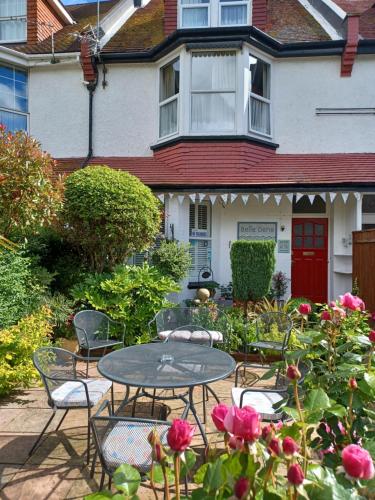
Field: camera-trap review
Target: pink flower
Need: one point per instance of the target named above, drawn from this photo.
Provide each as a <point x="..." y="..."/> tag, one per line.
<point x="352" y="384"/>
<point x="290" y="447"/>
<point x="304" y="309"/>
<point x="338" y="313"/>
<point x="180" y="434"/>
<point x="293" y="373"/>
<point x="341" y="428"/>
<point x="325" y="316"/>
<point x="236" y="443"/>
<point x="371" y="336"/>
<point x="332" y="304"/>
<point x="295" y="475"/>
<point x="241" y="488"/>
<point x="357" y="462"/>
<point x="243" y="422"/>
<point x="352" y="302"/>
<point x="267" y="431"/>
<point x="274" y="446"/>
<point x="218" y="415"/>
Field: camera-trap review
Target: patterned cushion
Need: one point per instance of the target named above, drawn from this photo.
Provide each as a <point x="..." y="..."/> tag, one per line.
<point x="127" y="444"/>
<point x="262" y="401"/>
<point x="197" y="336"/>
<point x="74" y="394"/>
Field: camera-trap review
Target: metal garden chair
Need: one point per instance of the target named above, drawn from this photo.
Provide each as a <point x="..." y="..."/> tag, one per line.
<point x="272" y="334"/>
<point x="120" y="439"/>
<point x="264" y="399"/>
<point x="66" y="388"/>
<point x="93" y="332"/>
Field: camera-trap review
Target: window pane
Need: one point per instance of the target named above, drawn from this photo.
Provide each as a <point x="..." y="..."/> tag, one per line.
<point x="309" y="228"/>
<point x="170" y="80"/>
<point x="195" y="17"/>
<point x="11" y="8"/>
<point x="233" y="14"/>
<point x="308" y="242"/>
<point x="319" y="242"/>
<point x="214" y="71"/>
<point x="200" y="251"/>
<point x="298" y="229"/>
<point x="260" y="78"/>
<point x="168" y="118"/>
<point x="212" y="112"/>
<point x="14" y="30"/>
<point x="13" y="121"/>
<point x="7" y="72"/>
<point x="260" y="116"/>
<point x="319" y="229"/>
<point x="298" y="241"/>
<point x="13" y="93"/>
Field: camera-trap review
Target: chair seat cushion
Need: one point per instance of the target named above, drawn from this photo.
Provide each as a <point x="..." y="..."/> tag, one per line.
<point x="197" y="336"/>
<point x="127" y="443"/>
<point x="262" y="401"/>
<point x="73" y="393"/>
<point x="275" y="346"/>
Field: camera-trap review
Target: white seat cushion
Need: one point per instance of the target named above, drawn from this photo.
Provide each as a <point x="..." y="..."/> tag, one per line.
<point x="127" y="443"/>
<point x="74" y="394"/>
<point x="197" y="336"/>
<point x="262" y="401"/>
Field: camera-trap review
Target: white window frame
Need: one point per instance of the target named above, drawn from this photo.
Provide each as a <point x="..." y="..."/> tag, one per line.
<point x="205" y="5"/>
<point x="239" y="2"/>
<point x="209" y="226"/>
<point x="15" y="111"/>
<point x="175" y="97"/>
<point x="191" y="92"/>
<point x="16" y="18"/>
<point x="257" y="97"/>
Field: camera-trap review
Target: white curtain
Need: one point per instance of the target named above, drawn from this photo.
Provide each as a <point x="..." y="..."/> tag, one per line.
<point x="212" y="112"/>
<point x="12" y="29"/>
<point x="168" y="118"/>
<point x="194" y="17"/>
<point x="232" y="15"/>
<point x="260" y="116"/>
<point x="12" y="8"/>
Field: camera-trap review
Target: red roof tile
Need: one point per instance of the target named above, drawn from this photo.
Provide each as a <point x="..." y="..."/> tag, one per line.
<point x="354" y="6"/>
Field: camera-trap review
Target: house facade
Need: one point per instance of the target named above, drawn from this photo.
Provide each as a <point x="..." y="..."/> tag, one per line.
<point x="249" y="119"/>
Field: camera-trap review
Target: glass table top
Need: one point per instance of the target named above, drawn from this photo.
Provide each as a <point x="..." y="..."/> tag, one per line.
<point x="166" y="365"/>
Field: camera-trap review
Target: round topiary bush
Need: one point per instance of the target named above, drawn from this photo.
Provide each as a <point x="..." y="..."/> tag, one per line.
<point x="109" y="215"/>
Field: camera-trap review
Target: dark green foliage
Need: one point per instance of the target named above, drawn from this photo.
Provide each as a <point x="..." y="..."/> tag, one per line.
<point x="172" y="259"/>
<point x="109" y="215"/>
<point x="253" y="264"/>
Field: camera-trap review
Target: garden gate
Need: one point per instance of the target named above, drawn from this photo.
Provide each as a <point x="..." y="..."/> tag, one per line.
<point x="364" y="265"/>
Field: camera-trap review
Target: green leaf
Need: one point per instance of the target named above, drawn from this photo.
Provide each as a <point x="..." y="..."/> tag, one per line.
<point x="127" y="479"/>
<point x="369" y="445"/>
<point x="102" y="495"/>
<point x="158" y="474"/>
<point x="325" y="486"/>
<point x="370" y="380"/>
<point x="201" y="472"/>
<point x="337" y="410"/>
<point x="317" y="399"/>
<point x="292" y="412"/>
<point x="214" y="479"/>
<point x="188" y="463"/>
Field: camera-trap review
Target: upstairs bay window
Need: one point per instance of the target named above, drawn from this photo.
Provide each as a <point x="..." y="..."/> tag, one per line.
<point x="168" y="98"/>
<point x="13" y="98"/>
<point x="259" y="97"/>
<point x="210" y="13"/>
<point x="12" y="21"/>
<point x="213" y="92"/>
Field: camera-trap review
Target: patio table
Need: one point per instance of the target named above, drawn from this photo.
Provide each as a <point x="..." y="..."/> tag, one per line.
<point x="171" y="365"/>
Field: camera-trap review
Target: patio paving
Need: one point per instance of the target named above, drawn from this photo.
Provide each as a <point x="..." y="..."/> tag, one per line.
<point x="57" y="469"/>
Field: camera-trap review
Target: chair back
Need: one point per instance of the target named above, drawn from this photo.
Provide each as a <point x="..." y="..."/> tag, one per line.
<point x="90" y="325"/>
<point x="274" y="326"/>
<point x="122" y="439"/>
<point x="191" y="333"/>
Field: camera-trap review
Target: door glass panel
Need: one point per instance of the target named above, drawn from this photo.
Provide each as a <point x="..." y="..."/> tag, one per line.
<point x="319" y="229"/>
<point x="319" y="242"/>
<point x="309" y="227"/>
<point x="298" y="230"/>
<point x="298" y="241"/>
<point x="308" y="243"/>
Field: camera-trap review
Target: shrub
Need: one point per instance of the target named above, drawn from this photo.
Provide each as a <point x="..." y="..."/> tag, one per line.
<point x="172" y="259"/>
<point x="279" y="285"/>
<point x="252" y="264"/>
<point x="28" y="197"/>
<point x="109" y="214"/>
<point x="131" y="294"/>
<point x="17" y="345"/>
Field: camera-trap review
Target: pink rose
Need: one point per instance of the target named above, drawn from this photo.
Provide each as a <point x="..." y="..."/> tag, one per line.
<point x="243" y="422"/>
<point x="338" y="314"/>
<point x="274" y="446"/>
<point x="332" y="304"/>
<point x="290" y="447"/>
<point x="293" y="373"/>
<point x="236" y="443"/>
<point x="371" y="336"/>
<point x="267" y="431"/>
<point x="304" y="309"/>
<point x="357" y="462"/>
<point x="241" y="488"/>
<point x="218" y="415"/>
<point x="295" y="475"/>
<point x="325" y="316"/>
<point x="180" y="434"/>
<point x="352" y="384"/>
<point x="352" y="302"/>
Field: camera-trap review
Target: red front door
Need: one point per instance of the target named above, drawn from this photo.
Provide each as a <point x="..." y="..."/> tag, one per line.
<point x="310" y="259"/>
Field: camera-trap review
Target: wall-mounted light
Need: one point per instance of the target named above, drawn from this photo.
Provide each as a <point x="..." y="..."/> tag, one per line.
<point x="282" y="228"/>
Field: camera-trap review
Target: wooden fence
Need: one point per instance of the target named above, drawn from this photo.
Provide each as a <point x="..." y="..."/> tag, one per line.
<point x="364" y="265"/>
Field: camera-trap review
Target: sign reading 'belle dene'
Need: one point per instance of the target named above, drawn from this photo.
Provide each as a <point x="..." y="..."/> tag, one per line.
<point x="257" y="230"/>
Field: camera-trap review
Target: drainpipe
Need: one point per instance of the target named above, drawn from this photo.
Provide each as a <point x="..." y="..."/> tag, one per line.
<point x="91" y="89"/>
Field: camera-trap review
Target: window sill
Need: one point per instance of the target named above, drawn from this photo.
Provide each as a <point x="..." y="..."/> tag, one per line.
<point x="12" y="41"/>
<point x="263" y="141"/>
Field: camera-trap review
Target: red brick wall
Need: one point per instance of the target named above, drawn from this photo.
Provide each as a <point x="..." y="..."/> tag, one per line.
<point x="259" y="18"/>
<point x="39" y="11"/>
<point x="170" y="16"/>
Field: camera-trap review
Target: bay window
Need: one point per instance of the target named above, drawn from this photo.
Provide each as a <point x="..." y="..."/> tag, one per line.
<point x="13" y="98"/>
<point x="168" y="98"/>
<point x="213" y="92"/>
<point x="199" y="237"/>
<point x="212" y="13"/>
<point x="13" y="21"/>
<point x="259" y="96"/>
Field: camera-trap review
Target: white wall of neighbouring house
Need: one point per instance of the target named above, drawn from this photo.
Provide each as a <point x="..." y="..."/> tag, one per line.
<point x="301" y="85"/>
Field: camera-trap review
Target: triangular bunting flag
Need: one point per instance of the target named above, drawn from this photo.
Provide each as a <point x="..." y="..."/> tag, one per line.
<point x="171" y="195"/>
<point x="332" y="197"/>
<point x="298" y="197"/>
<point x="290" y="197"/>
<point x="256" y="196"/>
<point x="358" y="196"/>
<point x="233" y="197"/>
<point x="323" y="196"/>
<point x="265" y="197"/>
<point x="311" y="198"/>
<point x="224" y="197"/>
<point x="180" y="198"/>
<point x="213" y="198"/>
<point x="345" y="197"/>
<point x="201" y="196"/>
<point x="278" y="198"/>
<point x="161" y="197"/>
<point x="245" y="198"/>
<point x="192" y="197"/>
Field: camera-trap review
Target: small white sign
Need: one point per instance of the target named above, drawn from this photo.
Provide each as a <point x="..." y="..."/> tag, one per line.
<point x="257" y="231"/>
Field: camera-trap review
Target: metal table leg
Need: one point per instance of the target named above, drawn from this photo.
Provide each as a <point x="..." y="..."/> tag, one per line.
<point x="195" y="415"/>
